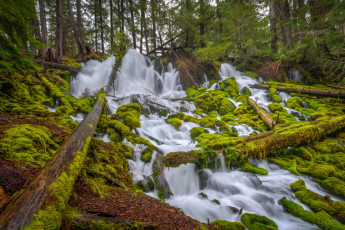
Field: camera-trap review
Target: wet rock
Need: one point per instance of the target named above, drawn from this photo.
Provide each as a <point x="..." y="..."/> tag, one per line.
<point x="216" y="201"/>
<point x="203" y="196"/>
<point x="158" y="66"/>
<point x="234" y="209"/>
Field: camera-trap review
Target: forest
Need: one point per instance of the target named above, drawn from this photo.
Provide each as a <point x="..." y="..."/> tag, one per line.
<point x="162" y="114"/>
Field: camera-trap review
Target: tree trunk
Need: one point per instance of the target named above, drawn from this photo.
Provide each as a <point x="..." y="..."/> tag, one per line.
<point x="101" y="22"/>
<point x="122" y="16"/>
<point x="262" y="113"/>
<point x="36" y="33"/>
<point x="76" y="31"/>
<point x="286" y="20"/>
<point x="273" y="25"/>
<point x="59" y="29"/>
<point x="96" y="27"/>
<point x="51" y="188"/>
<point x="44" y="33"/>
<point x="153" y="15"/>
<point x="202" y="24"/>
<point x="219" y="16"/>
<point x="55" y="65"/>
<point x="308" y="91"/>
<point x="141" y="25"/>
<point x="269" y="143"/>
<point x="111" y="25"/>
<point x="80" y="21"/>
<point x="131" y="8"/>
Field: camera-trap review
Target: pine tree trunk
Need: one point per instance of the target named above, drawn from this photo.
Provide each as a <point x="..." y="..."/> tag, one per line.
<point x="122" y="16"/>
<point x="101" y="22"/>
<point x="80" y="21"/>
<point x="202" y="24"/>
<point x="273" y="25"/>
<point x="76" y="31"/>
<point x="96" y="27"/>
<point x="131" y="8"/>
<point x="286" y="19"/>
<point x="36" y="33"/>
<point x="111" y="25"/>
<point x="59" y="29"/>
<point x="153" y="13"/>
<point x="44" y="36"/>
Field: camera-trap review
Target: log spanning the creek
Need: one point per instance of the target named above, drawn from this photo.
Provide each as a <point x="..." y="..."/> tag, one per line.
<point x="308" y="91"/>
<point x="269" y="143"/>
<point x="48" y="193"/>
<point x="54" y="65"/>
<point x="262" y="113"/>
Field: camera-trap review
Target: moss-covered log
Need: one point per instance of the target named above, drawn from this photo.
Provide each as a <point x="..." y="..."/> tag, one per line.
<point x="54" y="65"/>
<point x="43" y="201"/>
<point x="262" y="113"/>
<point x="307" y="90"/>
<point x="269" y="143"/>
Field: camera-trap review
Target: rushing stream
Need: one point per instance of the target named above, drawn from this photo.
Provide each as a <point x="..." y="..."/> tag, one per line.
<point x="153" y="86"/>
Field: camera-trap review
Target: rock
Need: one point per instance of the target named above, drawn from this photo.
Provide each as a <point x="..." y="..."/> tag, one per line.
<point x="10" y="179"/>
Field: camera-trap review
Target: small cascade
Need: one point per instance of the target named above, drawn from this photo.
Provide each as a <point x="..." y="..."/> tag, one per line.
<point x="93" y="77"/>
<point x="295" y="74"/>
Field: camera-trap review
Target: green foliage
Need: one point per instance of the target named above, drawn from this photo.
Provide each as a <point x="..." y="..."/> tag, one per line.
<point x="256" y="222"/>
<point x="176" y="122"/>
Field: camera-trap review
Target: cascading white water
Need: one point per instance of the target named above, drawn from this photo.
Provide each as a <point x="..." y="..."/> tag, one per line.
<point x="145" y="81"/>
<point x="93" y="77"/>
<point x="295" y="74"/>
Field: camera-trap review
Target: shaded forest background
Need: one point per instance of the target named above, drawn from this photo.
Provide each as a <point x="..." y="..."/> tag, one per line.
<point x="265" y="36"/>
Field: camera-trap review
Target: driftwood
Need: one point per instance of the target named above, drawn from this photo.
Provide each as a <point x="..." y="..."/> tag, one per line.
<point x="57" y="176"/>
<point x="54" y="65"/>
<point x="270" y="143"/>
<point x="262" y="113"/>
<point x="308" y="91"/>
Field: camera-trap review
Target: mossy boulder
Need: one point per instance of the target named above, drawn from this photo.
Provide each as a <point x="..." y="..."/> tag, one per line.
<point x="227" y="225"/>
<point x="176" y="122"/>
<point x="334" y="186"/>
<point x="146" y="154"/>
<point x="208" y="121"/>
<point x="188" y="118"/>
<point x="30" y="144"/>
<point x="276" y="107"/>
<point x="197" y="131"/>
<point x="226" y="107"/>
<point x="231" y="87"/>
<point x="247" y="167"/>
<point x="256" y="222"/>
<point x="274" y="96"/>
<point x="294" y="102"/>
<point x="129" y="114"/>
<point x="241" y="109"/>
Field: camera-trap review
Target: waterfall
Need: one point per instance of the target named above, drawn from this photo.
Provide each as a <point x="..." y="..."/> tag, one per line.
<point x="203" y="194"/>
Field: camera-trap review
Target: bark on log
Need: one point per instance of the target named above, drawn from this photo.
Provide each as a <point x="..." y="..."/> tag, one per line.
<point x="54" y="65"/>
<point x="54" y="183"/>
<point x="336" y="87"/>
<point x="308" y="91"/>
<point x="262" y="113"/>
<point x="269" y="143"/>
<point x="160" y="180"/>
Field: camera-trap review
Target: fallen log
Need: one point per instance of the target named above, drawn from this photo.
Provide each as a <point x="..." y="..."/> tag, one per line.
<point x="159" y="177"/>
<point x="54" y="65"/>
<point x="336" y="87"/>
<point x="268" y="143"/>
<point x="262" y="113"/>
<point x="48" y="194"/>
<point x="308" y="91"/>
<point x="165" y="43"/>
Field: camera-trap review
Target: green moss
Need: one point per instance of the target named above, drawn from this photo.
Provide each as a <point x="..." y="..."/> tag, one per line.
<point x="276" y="107"/>
<point x="198" y="112"/>
<point x="208" y="121"/>
<point x="334" y="186"/>
<point x="323" y="220"/>
<point x="231" y="87"/>
<point x="225" y="107"/>
<point x="274" y="96"/>
<point x="247" y="167"/>
<point x="294" y="102"/>
<point x="188" y="118"/>
<point x="176" y="122"/>
<point x="227" y="225"/>
<point x="83" y="105"/>
<point x="197" y="131"/>
<point x="129" y="114"/>
<point x="256" y="222"/>
<point x="30" y="144"/>
<point x="241" y="109"/>
<point x="146" y="155"/>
